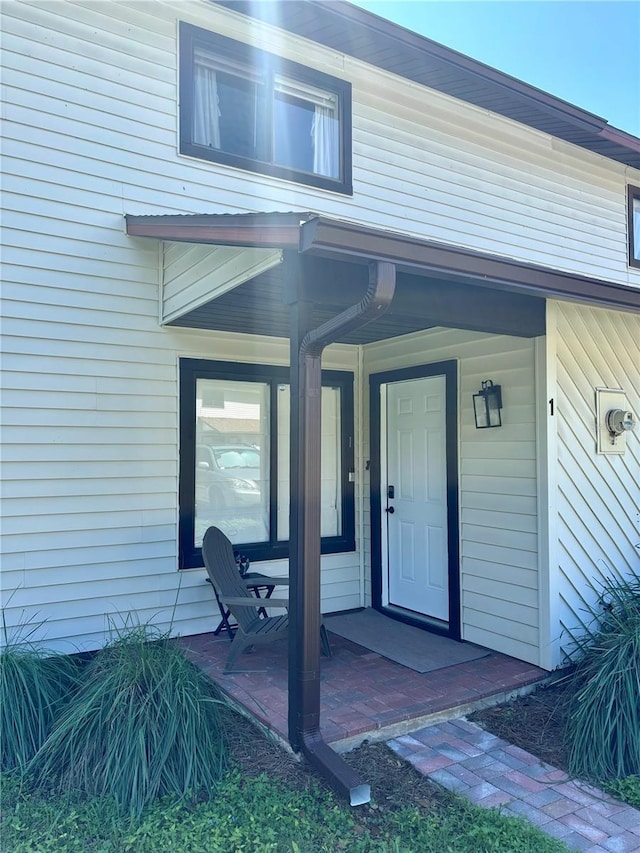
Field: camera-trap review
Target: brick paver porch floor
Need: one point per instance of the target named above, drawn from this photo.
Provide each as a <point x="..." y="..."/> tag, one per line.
<point x="363" y="695"/>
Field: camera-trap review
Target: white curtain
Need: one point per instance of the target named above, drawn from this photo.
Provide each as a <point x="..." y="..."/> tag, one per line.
<point x="636" y="230"/>
<point x="206" y="108"/>
<point x="324" y="132"/>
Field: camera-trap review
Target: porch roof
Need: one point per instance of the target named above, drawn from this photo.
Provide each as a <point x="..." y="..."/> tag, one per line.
<point x="437" y="284"/>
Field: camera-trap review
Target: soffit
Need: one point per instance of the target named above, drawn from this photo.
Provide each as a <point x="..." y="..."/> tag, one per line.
<point x="259" y="307"/>
<point x="316" y="237"/>
<point x="365" y="36"/>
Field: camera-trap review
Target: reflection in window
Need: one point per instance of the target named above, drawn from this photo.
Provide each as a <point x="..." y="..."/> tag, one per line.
<point x="306" y="128"/>
<point x="251" y="109"/>
<point x="232" y="459"/>
<point x="331" y="475"/>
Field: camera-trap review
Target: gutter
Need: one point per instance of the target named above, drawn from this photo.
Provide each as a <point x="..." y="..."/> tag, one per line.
<point x="304" y="637"/>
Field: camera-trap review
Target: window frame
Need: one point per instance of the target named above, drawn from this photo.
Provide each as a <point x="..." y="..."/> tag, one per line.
<point x="271" y="66"/>
<point x="190" y="371"/>
<point x="633" y="194"/>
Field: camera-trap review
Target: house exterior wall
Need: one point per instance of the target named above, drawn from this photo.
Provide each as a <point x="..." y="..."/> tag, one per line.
<point x="91" y="400"/>
<point x="467" y="177"/>
<point x="90" y="466"/>
<point x="497" y="482"/>
<point x="594" y="499"/>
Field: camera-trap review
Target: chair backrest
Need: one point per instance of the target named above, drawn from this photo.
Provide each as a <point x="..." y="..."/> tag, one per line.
<point x="220" y="562"/>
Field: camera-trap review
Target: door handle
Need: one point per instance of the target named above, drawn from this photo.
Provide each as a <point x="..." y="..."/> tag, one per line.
<point x="390" y="510"/>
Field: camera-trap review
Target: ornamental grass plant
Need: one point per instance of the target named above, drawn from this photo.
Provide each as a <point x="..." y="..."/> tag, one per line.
<point x="144" y="724"/>
<point x="33" y="688"/>
<point x="603" y="727"/>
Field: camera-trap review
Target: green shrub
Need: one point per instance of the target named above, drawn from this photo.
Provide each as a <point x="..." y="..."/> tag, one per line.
<point x="143" y="725"/>
<point x="627" y="790"/>
<point x="604" y="720"/>
<point x="33" y="688"/>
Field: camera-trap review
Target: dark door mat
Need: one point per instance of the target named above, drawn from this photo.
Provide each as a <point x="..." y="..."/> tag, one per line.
<point x="412" y="647"/>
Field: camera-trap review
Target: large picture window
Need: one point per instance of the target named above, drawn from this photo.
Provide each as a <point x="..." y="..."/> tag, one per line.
<point x="244" y="107"/>
<point x="234" y="458"/>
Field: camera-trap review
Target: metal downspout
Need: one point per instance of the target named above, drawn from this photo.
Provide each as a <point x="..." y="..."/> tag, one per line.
<point x="304" y="643"/>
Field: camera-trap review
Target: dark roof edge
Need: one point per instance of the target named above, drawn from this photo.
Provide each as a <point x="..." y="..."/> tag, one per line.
<point x="262" y="230"/>
<point x="347" y="240"/>
<point x="370" y="20"/>
<point x="318" y="235"/>
<point x="620" y="137"/>
<point x="588" y="131"/>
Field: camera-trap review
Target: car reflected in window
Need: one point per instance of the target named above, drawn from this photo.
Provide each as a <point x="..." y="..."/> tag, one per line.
<point x="227" y="476"/>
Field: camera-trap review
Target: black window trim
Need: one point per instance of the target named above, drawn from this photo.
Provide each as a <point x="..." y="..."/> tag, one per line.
<point x="633" y="194"/>
<point x="193" y="369"/>
<point x="192" y="37"/>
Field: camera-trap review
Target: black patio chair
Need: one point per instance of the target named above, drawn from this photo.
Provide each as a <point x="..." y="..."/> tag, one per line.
<point x="254" y="627"/>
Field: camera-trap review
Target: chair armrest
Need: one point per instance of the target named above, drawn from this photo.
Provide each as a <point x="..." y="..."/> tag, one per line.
<point x="265" y="580"/>
<point x="256" y="602"/>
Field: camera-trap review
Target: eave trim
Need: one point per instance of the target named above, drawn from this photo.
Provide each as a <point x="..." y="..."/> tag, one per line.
<point x="316" y="235"/>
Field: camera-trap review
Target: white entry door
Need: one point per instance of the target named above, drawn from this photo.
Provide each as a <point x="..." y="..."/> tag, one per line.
<point x="414" y="500"/>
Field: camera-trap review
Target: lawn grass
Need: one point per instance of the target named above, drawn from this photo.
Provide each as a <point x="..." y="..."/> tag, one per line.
<point x="260" y="814"/>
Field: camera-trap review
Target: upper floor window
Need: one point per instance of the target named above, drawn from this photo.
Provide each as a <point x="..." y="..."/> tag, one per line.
<point x="244" y="107"/>
<point x="633" y="224"/>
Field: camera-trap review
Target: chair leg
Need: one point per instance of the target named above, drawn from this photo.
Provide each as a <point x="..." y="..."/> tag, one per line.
<point x="238" y="645"/>
<point x="324" y="640"/>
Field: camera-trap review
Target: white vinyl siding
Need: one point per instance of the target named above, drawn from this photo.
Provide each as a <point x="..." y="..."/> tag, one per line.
<point x="598" y="496"/>
<point x="90" y="450"/>
<point x="90" y="414"/>
<point x="468" y="177"/>
<point x="194" y="275"/>
<point x="498" y="486"/>
<point x="90" y="378"/>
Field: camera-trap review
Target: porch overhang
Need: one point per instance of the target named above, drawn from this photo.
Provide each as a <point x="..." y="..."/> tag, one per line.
<point x="338" y="282"/>
<point x="438" y="284"/>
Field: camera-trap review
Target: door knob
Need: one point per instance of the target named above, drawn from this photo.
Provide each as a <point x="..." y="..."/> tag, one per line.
<point x="390" y="510"/>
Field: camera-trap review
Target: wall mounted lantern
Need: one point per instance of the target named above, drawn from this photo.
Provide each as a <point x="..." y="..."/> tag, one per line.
<point x="487" y="404"/>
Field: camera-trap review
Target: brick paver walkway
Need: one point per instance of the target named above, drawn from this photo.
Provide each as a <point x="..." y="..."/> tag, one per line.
<point x="488" y="771"/>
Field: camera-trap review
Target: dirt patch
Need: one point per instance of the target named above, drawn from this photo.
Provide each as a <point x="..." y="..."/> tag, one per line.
<point x="536" y="722"/>
<point x="394" y="782"/>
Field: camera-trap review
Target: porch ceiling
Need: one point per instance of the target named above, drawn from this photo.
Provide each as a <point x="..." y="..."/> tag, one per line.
<point x="437" y="284"/>
<point x="258" y="306"/>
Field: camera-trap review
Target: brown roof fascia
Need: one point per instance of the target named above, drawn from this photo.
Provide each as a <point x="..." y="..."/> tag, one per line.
<point x="339" y="25"/>
<point x="579" y="117"/>
<point x="397" y="39"/>
<point x="342" y="239"/>
<point x="620" y="137"/>
<point x="317" y="235"/>
<point x="272" y="230"/>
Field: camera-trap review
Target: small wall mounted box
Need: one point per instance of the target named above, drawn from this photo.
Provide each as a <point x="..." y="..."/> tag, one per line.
<point x="614" y="420"/>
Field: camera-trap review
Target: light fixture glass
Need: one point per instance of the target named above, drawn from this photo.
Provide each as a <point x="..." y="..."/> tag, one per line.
<point x="487" y="404"/>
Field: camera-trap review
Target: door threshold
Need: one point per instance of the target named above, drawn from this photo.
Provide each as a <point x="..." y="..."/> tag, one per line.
<point x="418" y="620"/>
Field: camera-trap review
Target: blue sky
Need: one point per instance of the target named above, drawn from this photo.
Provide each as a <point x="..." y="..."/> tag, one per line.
<point x="584" y="51"/>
